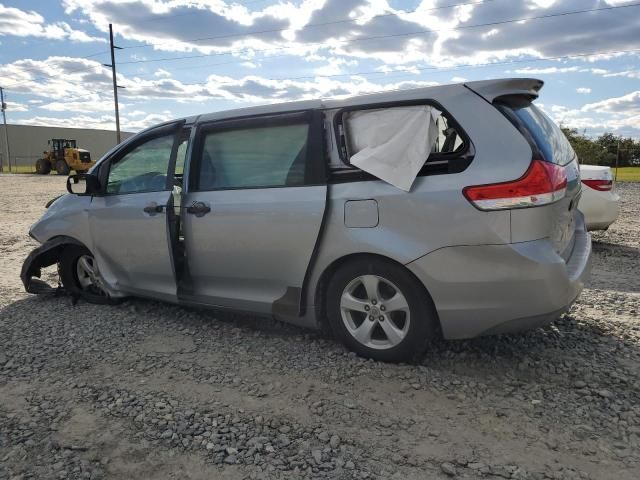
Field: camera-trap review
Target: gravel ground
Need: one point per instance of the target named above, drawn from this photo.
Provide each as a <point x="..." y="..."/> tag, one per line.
<point x="150" y="391"/>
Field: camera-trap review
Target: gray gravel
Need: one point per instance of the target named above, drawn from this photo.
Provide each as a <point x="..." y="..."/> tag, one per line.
<point x="149" y="391"/>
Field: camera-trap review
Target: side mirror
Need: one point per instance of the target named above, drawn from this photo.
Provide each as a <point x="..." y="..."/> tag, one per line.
<point x="83" y="184"/>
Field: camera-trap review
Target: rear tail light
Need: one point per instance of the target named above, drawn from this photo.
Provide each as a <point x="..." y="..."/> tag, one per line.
<point x="600" y="185"/>
<point x="542" y="183"/>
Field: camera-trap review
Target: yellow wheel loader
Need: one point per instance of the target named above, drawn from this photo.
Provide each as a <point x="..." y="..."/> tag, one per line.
<point x="63" y="156"/>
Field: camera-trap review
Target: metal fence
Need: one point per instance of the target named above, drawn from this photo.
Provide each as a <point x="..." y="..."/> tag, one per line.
<point x="18" y="164"/>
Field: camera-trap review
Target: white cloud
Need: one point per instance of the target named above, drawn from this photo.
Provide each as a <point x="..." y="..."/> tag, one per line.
<point x="626" y="104"/>
<point x="56" y="77"/>
<point x="620" y="115"/>
<point x="431" y="34"/>
<point x="334" y="66"/>
<point x="16" y="107"/>
<point x="583" y="90"/>
<point x="21" y="23"/>
<point x="161" y="72"/>
<point x="626" y="73"/>
<point x="545" y="70"/>
<point x="105" y="122"/>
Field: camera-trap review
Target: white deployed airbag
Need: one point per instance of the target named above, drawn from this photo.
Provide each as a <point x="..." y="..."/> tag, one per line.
<point x="392" y="143"/>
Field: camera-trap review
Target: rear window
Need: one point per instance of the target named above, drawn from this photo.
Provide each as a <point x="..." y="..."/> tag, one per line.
<point x="547" y="136"/>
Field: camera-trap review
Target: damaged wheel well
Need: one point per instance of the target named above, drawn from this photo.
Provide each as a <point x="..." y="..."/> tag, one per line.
<point x="44" y="256"/>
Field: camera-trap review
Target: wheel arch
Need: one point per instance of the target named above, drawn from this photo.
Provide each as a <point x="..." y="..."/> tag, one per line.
<point x="44" y="256"/>
<point x="320" y="296"/>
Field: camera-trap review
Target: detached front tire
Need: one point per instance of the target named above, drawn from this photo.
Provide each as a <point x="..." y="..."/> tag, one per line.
<point x="380" y="310"/>
<point x="80" y="275"/>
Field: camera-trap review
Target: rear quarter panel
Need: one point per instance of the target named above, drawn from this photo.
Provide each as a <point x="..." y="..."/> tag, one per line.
<point x="434" y="214"/>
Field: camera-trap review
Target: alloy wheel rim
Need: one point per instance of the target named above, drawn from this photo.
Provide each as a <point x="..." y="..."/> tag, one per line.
<point x="88" y="275"/>
<point x="375" y="312"/>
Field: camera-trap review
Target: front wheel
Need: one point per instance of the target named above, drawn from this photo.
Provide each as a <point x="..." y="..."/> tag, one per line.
<point x="62" y="167"/>
<point x="43" y="166"/>
<point x="80" y="275"/>
<point x="380" y="310"/>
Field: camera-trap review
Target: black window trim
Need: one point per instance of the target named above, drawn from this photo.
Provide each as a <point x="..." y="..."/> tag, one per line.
<point x="455" y="162"/>
<point x="316" y="165"/>
<point x="174" y="128"/>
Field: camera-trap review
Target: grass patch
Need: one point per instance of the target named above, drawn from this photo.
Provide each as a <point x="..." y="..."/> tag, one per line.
<point x="20" y="169"/>
<point x="627" y="174"/>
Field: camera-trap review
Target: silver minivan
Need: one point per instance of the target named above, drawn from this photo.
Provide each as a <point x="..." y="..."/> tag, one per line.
<point x="392" y="218"/>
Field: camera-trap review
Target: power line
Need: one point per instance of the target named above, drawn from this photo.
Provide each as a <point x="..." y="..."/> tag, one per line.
<point x="319" y="24"/>
<point x="407" y="72"/>
<point x="437" y="69"/>
<point x="468" y="65"/>
<point x="194" y="11"/>
<point x="379" y="37"/>
<point x="26" y="70"/>
<point x="494" y="23"/>
<point x="48" y="76"/>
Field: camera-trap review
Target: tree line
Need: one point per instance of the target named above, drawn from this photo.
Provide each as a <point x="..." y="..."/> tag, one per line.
<point x="605" y="149"/>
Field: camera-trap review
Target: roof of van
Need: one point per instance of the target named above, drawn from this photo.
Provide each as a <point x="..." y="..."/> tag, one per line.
<point x="489" y="89"/>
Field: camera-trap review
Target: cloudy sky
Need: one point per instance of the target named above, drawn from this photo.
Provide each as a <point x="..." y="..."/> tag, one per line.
<point x="183" y="57"/>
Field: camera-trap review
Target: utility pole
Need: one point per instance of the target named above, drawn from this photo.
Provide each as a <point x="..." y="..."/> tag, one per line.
<point x="115" y="83"/>
<point x="3" y="107"/>
<point x="615" y="177"/>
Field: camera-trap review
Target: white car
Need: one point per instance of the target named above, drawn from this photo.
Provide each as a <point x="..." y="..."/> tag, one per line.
<point x="599" y="203"/>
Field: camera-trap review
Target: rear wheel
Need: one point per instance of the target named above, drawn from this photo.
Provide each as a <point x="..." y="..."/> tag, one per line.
<point x="43" y="166"/>
<point x="80" y="275"/>
<point x="62" y="168"/>
<point x="380" y="310"/>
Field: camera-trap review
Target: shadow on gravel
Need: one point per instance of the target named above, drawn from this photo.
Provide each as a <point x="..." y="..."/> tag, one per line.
<point x="615" y="248"/>
<point x="568" y="343"/>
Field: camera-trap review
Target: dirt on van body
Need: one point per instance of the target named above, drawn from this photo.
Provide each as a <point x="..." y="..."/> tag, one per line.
<point x="153" y="391"/>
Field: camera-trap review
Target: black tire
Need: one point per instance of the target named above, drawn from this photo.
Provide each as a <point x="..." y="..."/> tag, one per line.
<point x="422" y="316"/>
<point x="62" y="168"/>
<point x="43" y="167"/>
<point x="68" y="269"/>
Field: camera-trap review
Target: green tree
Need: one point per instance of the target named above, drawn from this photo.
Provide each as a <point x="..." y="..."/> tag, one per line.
<point x="604" y="149"/>
<point x="588" y="151"/>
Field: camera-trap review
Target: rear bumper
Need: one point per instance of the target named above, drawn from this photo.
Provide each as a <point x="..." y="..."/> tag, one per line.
<point x="600" y="209"/>
<point x="489" y="289"/>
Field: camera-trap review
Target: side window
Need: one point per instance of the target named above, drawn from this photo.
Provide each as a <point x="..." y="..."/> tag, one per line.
<point x="272" y="156"/>
<point x="396" y="142"/>
<point x="143" y="169"/>
<point x="419" y="126"/>
<point x="449" y="139"/>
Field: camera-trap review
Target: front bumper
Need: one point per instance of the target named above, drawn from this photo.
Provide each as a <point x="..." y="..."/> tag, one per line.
<point x="490" y="289"/>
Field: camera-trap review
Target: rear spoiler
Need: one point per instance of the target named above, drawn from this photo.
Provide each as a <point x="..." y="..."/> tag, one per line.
<point x="493" y="89"/>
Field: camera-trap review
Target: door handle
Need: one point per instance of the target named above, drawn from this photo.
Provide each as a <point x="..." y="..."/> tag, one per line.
<point x="199" y="209"/>
<point x="153" y="208"/>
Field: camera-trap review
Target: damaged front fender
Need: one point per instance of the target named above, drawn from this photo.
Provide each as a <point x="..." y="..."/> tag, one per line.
<point x="44" y="256"/>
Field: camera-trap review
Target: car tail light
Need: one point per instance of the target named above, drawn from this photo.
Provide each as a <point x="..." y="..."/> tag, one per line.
<point x="600" y="185"/>
<point x="542" y="183"/>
